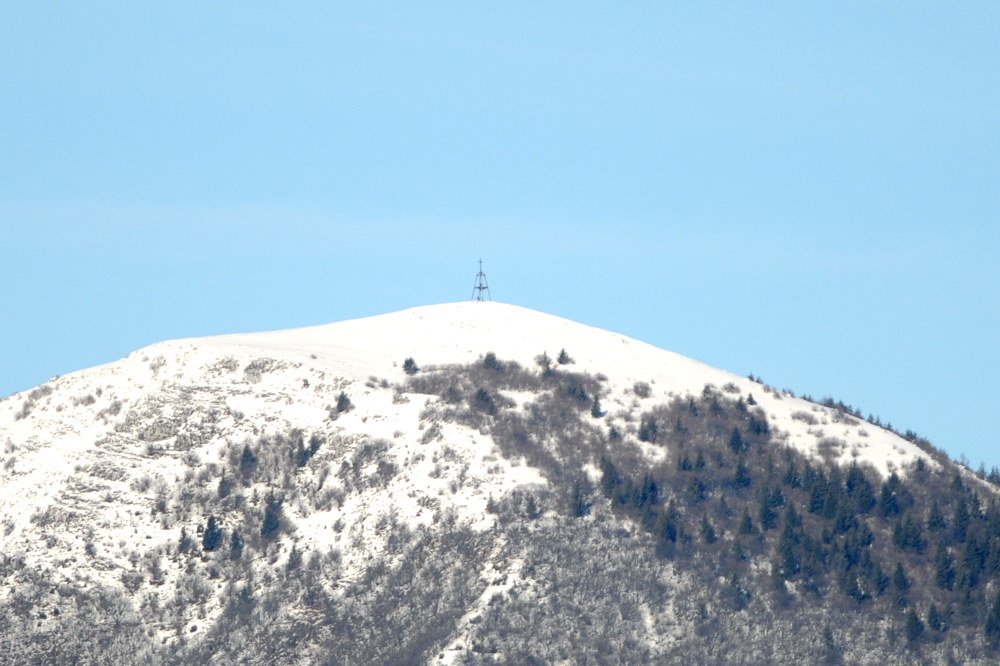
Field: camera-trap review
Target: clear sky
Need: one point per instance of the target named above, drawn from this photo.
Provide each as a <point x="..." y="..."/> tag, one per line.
<point x="803" y="191"/>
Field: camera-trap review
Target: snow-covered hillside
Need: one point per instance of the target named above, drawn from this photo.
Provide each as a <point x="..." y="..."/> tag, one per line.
<point x="100" y="468"/>
<point x="285" y="378"/>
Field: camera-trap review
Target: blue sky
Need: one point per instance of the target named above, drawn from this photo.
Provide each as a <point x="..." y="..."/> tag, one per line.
<point x="804" y="193"/>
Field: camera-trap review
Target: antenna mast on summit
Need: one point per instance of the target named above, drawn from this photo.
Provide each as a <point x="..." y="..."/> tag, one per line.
<point x="481" y="286"/>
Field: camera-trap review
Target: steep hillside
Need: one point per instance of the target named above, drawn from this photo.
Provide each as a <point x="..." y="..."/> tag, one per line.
<point x="474" y="483"/>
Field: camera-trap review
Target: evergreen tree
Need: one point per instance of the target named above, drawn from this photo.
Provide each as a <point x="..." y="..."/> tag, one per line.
<point x="410" y="366"/>
<point x="545" y="363"/>
<point x="595" y="409"/>
<point x="899" y="587"/>
<point x="844" y="520"/>
<point x="736" y="443"/>
<point x="670" y="528"/>
<point x="992" y="627"/>
<point x="757" y="425"/>
<point x="294" y="559"/>
<point x="212" y="536"/>
<point x="699" y="461"/>
<point x="888" y="504"/>
<point x="832" y="653"/>
<point x="935" y="519"/>
<point x="482" y="401"/>
<point x="648" y="494"/>
<point x="935" y="621"/>
<point x="770" y="500"/>
<point x="741" y="478"/>
<point x="788" y="549"/>
<point x="944" y="570"/>
<point x="792" y="478"/>
<point x="272" y="516"/>
<point x="490" y="362"/>
<point x="818" y="489"/>
<point x="696" y="490"/>
<point x="648" y="429"/>
<point x="235" y="546"/>
<point x="746" y="524"/>
<point x="972" y="562"/>
<point x="914" y="626"/>
<point x="225" y="485"/>
<point x="859" y="489"/>
<point x="579" y="502"/>
<point x="960" y="521"/>
<point x="879" y="580"/>
<point x="185" y="543"/>
<point x="611" y="480"/>
<point x="851" y="586"/>
<point x="992" y="568"/>
<point x="707" y="531"/>
<point x="248" y="462"/>
<point x="908" y="536"/>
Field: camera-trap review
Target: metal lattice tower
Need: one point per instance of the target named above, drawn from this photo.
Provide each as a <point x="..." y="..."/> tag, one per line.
<point x="481" y="286"/>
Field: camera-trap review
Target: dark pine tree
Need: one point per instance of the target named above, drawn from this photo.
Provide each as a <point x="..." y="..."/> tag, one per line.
<point x="483" y="402"/>
<point x="741" y="477"/>
<point x="770" y="501"/>
<point x="648" y="429"/>
<point x="579" y="502"/>
<point x="907" y="535"/>
<point x="248" y="461"/>
<point x="935" y="620"/>
<point x="490" y="362"/>
<point x="888" y="503"/>
<point x="611" y="480"/>
<point x="670" y="525"/>
<point x="899" y="587"/>
<point x="914" y="626"/>
<point x="746" y="523"/>
<point x="272" y="516"/>
<point x="736" y="442"/>
<point x="235" y="546"/>
<point x="960" y="521"/>
<point x="595" y="408"/>
<point x="859" y="489"/>
<point x="944" y="568"/>
<point x="707" y="531"/>
<point x="935" y="519"/>
<point x="992" y="627"/>
<point x="212" y="537"/>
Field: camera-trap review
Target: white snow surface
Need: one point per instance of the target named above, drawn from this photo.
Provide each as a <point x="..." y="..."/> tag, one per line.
<point x="350" y="353"/>
<point x="62" y="451"/>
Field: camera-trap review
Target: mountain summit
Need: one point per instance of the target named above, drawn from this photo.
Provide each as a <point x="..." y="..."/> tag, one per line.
<point x="473" y="483"/>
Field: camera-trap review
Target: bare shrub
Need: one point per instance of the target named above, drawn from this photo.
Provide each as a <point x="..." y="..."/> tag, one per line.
<point x="805" y="417"/>
<point x="255" y="369"/>
<point x="830" y="448"/>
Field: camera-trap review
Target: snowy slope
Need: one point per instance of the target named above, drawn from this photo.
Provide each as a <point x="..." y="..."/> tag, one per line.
<point x="461" y="332"/>
<point x="88" y="457"/>
<point x="301" y="366"/>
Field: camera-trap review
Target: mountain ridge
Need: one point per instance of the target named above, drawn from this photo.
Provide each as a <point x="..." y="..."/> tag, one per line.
<point x="357" y="441"/>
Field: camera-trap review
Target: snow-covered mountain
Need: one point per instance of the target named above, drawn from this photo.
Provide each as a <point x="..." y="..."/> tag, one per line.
<point x="191" y="497"/>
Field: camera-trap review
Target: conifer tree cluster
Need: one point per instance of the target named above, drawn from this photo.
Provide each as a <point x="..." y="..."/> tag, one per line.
<point x="729" y="494"/>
